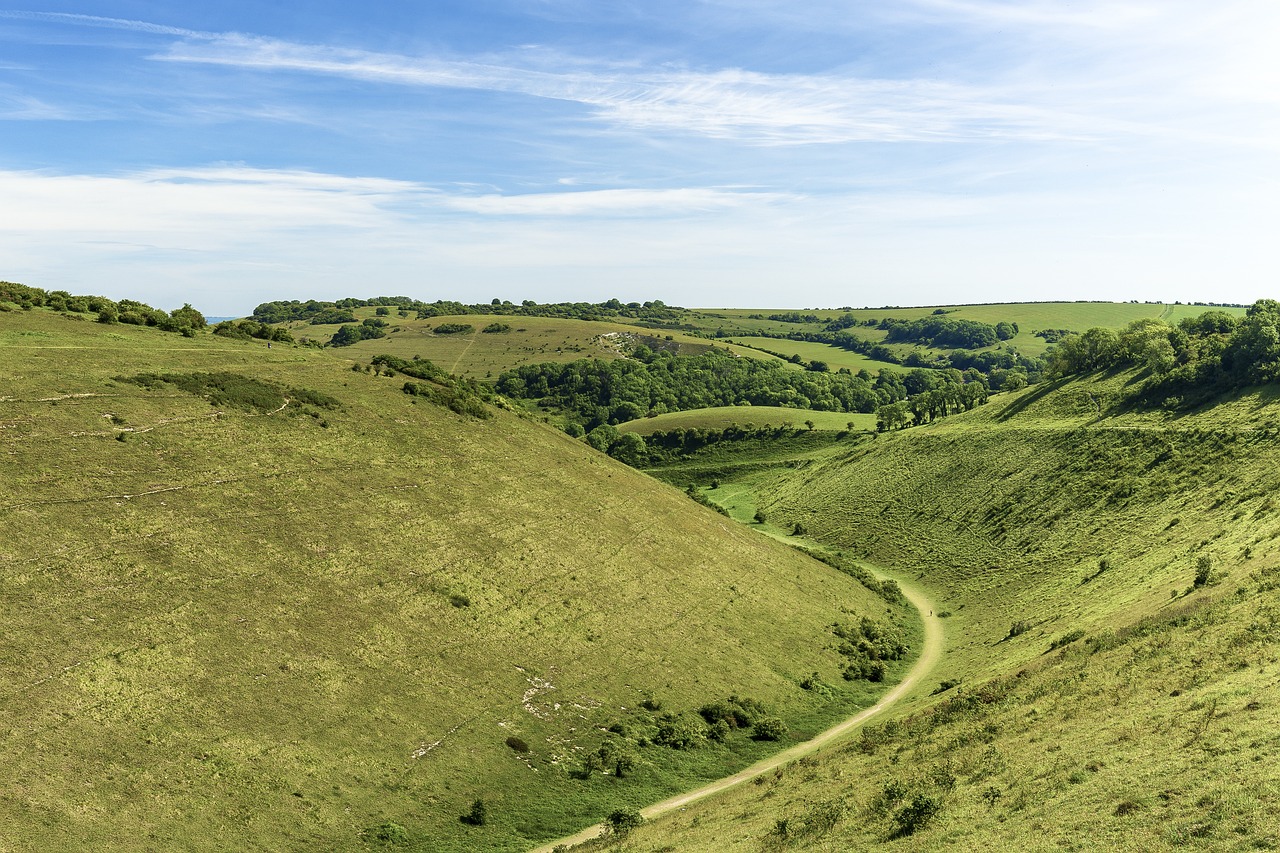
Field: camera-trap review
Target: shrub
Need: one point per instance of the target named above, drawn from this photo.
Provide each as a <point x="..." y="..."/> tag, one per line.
<point x="495" y="328"/>
<point x="680" y="731"/>
<point x="387" y="833"/>
<point x="916" y="814"/>
<point x="622" y="821"/>
<point x="1204" y="568"/>
<point x="770" y="728"/>
<point x="454" y="329"/>
<point x="478" y="815"/>
<point x="1022" y="626"/>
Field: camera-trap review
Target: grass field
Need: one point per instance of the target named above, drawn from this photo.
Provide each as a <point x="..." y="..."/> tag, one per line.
<point x="1030" y="317"/>
<point x="292" y="620"/>
<point x="720" y="417"/>
<point x="529" y="340"/>
<point x="1092" y="695"/>
<point x="835" y="357"/>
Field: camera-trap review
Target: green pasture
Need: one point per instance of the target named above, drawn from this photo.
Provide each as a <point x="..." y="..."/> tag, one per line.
<point x="835" y="357"/>
<point x="480" y="355"/>
<point x="720" y="417"/>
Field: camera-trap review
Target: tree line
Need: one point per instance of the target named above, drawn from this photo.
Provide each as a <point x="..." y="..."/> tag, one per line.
<point x="185" y="320"/>
<point x="591" y="392"/>
<point x="1186" y="362"/>
<point x="318" y="312"/>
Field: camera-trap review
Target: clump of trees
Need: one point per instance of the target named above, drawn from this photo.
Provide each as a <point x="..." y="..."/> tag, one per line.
<point x="944" y="332"/>
<point x="1186" y="362"/>
<point x="593" y="392"/>
<point x="866" y="646"/>
<point x="185" y="320"/>
<point x="373" y="327"/>
<point x="246" y="329"/>
<point x="459" y="395"/>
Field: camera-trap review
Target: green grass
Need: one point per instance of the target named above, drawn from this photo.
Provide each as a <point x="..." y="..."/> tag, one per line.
<point x="1058" y="509"/>
<point x="1030" y="317"/>
<point x="279" y="628"/>
<point x="720" y="417"/>
<point x="485" y="355"/>
<point x="835" y="357"/>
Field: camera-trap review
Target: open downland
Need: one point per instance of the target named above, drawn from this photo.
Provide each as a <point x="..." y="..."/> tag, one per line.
<point x="1109" y="579"/>
<point x="930" y="652"/>
<point x="319" y="609"/>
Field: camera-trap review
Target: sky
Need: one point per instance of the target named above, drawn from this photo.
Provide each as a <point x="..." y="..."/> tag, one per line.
<point x="703" y="152"/>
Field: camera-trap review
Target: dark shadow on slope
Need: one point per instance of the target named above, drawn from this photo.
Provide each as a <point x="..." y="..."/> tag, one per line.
<point x="1026" y="400"/>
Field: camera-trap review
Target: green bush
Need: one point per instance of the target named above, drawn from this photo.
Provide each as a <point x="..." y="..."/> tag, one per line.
<point x="478" y="816"/>
<point x="770" y="728"/>
<point x="387" y="833"/>
<point x="622" y="821"/>
<point x="917" y="814"/>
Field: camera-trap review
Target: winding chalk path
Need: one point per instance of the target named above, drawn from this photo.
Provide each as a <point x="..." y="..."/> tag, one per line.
<point x="930" y="651"/>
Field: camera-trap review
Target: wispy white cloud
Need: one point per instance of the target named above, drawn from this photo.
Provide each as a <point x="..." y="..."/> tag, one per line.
<point x="615" y="202"/>
<point x="725" y="104"/>
<point x="101" y="22"/>
<point x="20" y="107"/>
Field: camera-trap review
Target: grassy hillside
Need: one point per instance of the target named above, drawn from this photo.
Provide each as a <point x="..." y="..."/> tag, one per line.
<point x="524" y="340"/>
<point x="1030" y="317"/>
<point x="277" y="603"/>
<point x="1108" y="582"/>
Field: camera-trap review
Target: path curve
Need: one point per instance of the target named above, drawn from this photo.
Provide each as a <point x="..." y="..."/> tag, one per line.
<point x="930" y="652"/>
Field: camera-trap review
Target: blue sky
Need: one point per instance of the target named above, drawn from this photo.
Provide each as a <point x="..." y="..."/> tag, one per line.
<point x="723" y="152"/>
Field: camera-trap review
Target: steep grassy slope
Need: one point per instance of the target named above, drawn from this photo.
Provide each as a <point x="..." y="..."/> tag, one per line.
<point x="1095" y="692"/>
<point x="256" y="626"/>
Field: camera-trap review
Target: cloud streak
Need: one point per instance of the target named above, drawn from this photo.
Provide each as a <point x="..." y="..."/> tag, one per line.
<point x="771" y="109"/>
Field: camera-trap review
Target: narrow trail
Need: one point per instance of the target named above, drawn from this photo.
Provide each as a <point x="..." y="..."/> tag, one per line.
<point x="930" y="652"/>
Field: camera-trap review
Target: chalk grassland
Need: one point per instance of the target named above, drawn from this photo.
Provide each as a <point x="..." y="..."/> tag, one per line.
<point x="720" y="417"/>
<point x="1094" y="693"/>
<point x="835" y="357"/>
<point x="285" y="628"/>
<point x="528" y="340"/>
<point x="1030" y="317"/>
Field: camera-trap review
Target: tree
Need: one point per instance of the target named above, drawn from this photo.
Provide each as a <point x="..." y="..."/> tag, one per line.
<point x="629" y="449"/>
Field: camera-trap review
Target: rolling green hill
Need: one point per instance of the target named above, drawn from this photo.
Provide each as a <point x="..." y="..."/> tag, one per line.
<point x="474" y="353"/>
<point x="1108" y="580"/>
<point x="258" y="599"/>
